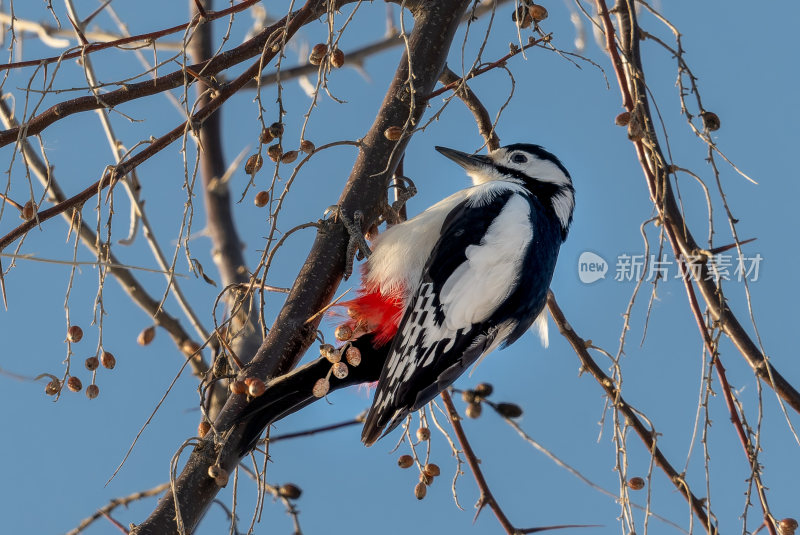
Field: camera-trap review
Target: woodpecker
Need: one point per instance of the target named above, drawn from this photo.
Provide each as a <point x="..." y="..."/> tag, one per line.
<point x="467" y="275"/>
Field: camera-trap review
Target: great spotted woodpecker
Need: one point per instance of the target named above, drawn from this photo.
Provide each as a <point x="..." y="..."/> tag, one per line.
<point x="445" y="288"/>
<point x="470" y="273"/>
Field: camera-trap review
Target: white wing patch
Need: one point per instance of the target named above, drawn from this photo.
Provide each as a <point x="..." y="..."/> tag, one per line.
<point x="540" y="327"/>
<point x="478" y="286"/>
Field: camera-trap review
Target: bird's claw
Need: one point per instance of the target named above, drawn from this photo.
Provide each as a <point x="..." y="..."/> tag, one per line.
<point x="405" y="189"/>
<point x="357" y="246"/>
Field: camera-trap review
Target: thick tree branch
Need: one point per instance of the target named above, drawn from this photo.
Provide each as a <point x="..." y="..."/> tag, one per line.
<point x="435" y="25"/>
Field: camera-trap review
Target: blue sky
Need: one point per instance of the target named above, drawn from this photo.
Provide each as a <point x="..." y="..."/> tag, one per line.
<point x="60" y="455"/>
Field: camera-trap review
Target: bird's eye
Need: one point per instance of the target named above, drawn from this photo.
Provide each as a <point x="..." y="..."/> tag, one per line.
<point x="519" y="158"/>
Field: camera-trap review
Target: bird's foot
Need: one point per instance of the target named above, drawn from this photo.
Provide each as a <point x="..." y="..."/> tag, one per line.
<point x="394" y="213"/>
<point x="356" y="245"/>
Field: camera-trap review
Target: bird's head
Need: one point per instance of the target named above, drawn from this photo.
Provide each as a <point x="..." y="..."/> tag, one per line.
<point x="530" y="166"/>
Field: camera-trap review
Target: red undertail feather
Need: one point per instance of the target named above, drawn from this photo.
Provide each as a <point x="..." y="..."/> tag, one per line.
<point x="374" y="312"/>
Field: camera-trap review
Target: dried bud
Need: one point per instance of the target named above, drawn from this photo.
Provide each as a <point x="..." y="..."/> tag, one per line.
<point x="28" y="211"/>
<point x="275" y="152"/>
<point x="146" y="336"/>
<point x="318" y="53"/>
<point x="220" y="366"/>
<point x="431" y="470"/>
<point x="787" y="526"/>
<point x="203" y="428"/>
<point x="473" y="410"/>
<point x="321" y="387"/>
<point x="522" y="17"/>
<point x="265" y="136"/>
<point x="330" y="353"/>
<point x="469" y="396"/>
<point x="107" y="360"/>
<point x="393" y="133"/>
<point x="710" y="120"/>
<point x="253" y="164"/>
<point x="290" y="491"/>
<point x="343" y="333"/>
<point x="423" y="433"/>
<point x="339" y="370"/>
<point x="92" y="391"/>
<point x="307" y="146"/>
<point x="405" y="461"/>
<point x="420" y="490"/>
<point x="509" y="410"/>
<point x="74" y="384"/>
<point x="337" y="58"/>
<point x="218" y="474"/>
<point x="289" y="157"/>
<point x="353" y="356"/>
<point x="623" y="118"/>
<point x="53" y="387"/>
<point x="262" y="199"/>
<point x="276" y="130"/>
<point x="238" y="387"/>
<point x="92" y="363"/>
<point x="636" y="483"/>
<point x="256" y="387"/>
<point x="538" y="13"/>
<point x="484" y="390"/>
<point x="74" y="334"/>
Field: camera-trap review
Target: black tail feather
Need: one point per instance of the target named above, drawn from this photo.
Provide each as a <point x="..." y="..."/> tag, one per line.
<point x="291" y="392"/>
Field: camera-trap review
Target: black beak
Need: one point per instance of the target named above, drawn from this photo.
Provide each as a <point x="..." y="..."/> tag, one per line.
<point x="470" y="162"/>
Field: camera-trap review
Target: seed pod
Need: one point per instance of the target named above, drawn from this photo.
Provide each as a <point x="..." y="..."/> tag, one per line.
<point x="425" y="478"/>
<point x="74" y="384"/>
<point x="256" y="387"/>
<point x="289" y="157"/>
<point x="203" y="428"/>
<point x="509" y="410"/>
<point x="353" y="356"/>
<point x="253" y="164"/>
<point x="92" y="363"/>
<point x="484" y="390"/>
<point x="710" y="120"/>
<point x="522" y="17"/>
<point x="92" y="391"/>
<point x="290" y="491"/>
<point x="318" y="53"/>
<point x="393" y="133"/>
<point x="343" y="333"/>
<point x="74" y="334"/>
<point x="339" y="370"/>
<point x="473" y="410"/>
<point x="636" y="483"/>
<point x="537" y="13"/>
<point x="275" y="152"/>
<point x="787" y="526"/>
<point x="107" y="360"/>
<point x="261" y="199"/>
<point x="307" y="146"/>
<point x="218" y="474"/>
<point x="623" y="118"/>
<point x="238" y="387"/>
<point x="28" y="211"/>
<point x="469" y="396"/>
<point x="276" y="130"/>
<point x="52" y="388"/>
<point x="321" y="387"/>
<point x="146" y="336"/>
<point x="431" y="470"/>
<point x="420" y="490"/>
<point x="265" y="136"/>
<point x="337" y="58"/>
<point x="405" y="461"/>
<point x="423" y="433"/>
<point x="330" y="353"/>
